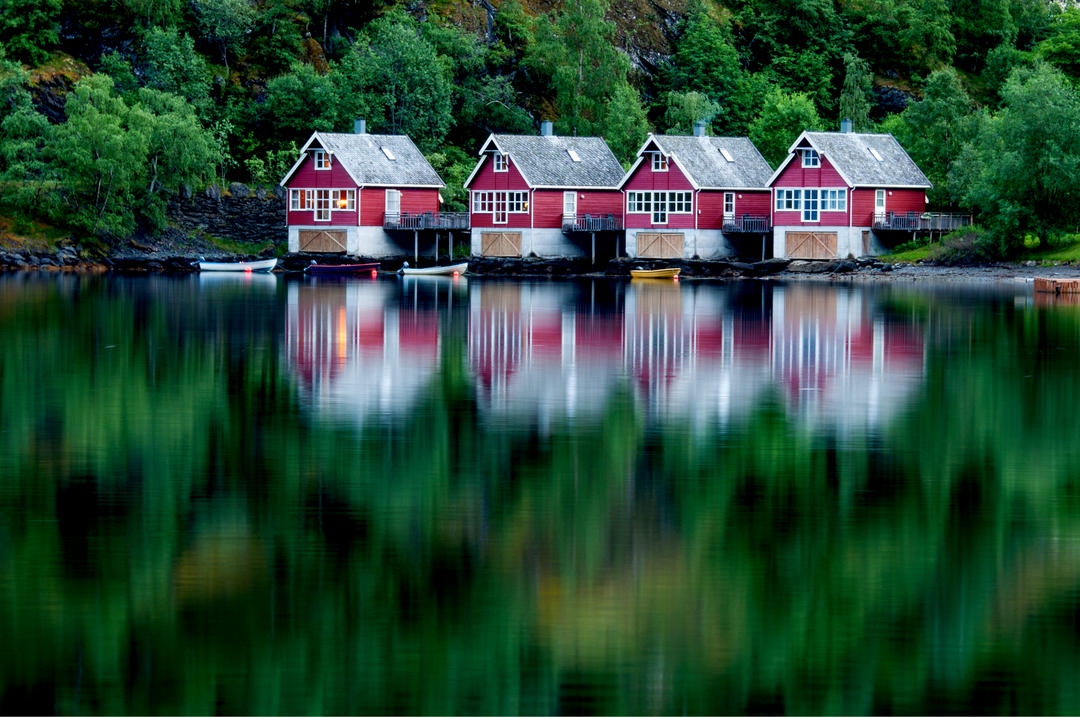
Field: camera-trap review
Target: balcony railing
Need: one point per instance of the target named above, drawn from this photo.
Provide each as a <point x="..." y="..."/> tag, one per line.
<point x="592" y="223"/>
<point x="426" y="220"/>
<point x="746" y="224"/>
<point x="926" y="222"/>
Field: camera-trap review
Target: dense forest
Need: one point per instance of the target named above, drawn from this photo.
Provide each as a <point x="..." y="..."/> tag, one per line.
<point x="109" y="108"/>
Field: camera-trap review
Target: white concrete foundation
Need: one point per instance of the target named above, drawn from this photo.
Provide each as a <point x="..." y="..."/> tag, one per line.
<point x="374" y="242"/>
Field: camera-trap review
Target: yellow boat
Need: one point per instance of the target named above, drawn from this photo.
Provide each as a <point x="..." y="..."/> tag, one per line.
<point x="654" y="273"/>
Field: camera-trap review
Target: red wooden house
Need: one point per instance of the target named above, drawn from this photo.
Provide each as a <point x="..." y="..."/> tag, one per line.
<point x="545" y="195"/>
<point x="695" y="196"/>
<point x="837" y="193"/>
<point x="352" y="194"/>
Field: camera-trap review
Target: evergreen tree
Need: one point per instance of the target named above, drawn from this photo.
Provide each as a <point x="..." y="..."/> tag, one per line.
<point x="783" y="117"/>
<point x="855" y="95"/>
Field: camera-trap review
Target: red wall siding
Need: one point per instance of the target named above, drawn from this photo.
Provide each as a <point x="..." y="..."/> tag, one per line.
<point x="795" y="176"/>
<point x="644" y="178"/>
<point x="899" y="201"/>
<point x="373" y="203"/>
<point x="372" y="206"/>
<point x="711" y="209"/>
<point x="307" y="177"/>
<point x="753" y="203"/>
<point x="488" y="179"/>
<point x="600" y="203"/>
<point x="546" y="207"/>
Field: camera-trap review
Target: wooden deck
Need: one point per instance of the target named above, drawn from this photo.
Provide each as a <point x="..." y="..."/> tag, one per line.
<point x="426" y="220"/>
<point x="592" y="223"/>
<point x="746" y="224"/>
<point x="925" y="222"/>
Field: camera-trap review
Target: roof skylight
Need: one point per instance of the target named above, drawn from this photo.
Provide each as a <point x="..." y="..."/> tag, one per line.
<point x="573" y="155"/>
<point x="388" y="153"/>
<point x="877" y="156"/>
<point x="727" y="155"/>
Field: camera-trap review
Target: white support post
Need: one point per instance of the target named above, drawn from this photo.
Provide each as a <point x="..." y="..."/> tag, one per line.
<point x="416" y="246"/>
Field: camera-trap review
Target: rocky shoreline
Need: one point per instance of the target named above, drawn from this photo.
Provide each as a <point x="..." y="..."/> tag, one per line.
<point x="74" y="259"/>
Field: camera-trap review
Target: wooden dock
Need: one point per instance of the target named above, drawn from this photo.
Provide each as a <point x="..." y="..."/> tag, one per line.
<point x="1057" y="287"/>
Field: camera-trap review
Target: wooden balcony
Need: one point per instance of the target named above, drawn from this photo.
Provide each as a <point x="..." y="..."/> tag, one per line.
<point x="415" y="221"/>
<point x="592" y="223"/>
<point x="746" y="224"/>
<point x="925" y="222"/>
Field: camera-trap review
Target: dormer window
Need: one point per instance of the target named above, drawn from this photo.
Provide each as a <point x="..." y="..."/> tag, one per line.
<point x="500" y="162"/>
<point x="810" y="159"/>
<point x="659" y="162"/>
<point x="322" y="159"/>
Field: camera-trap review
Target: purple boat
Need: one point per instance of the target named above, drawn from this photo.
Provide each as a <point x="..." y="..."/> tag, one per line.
<point x="323" y="269"/>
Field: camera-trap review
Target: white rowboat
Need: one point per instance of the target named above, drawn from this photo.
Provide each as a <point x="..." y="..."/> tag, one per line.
<point x="434" y="270"/>
<point x="245" y="266"/>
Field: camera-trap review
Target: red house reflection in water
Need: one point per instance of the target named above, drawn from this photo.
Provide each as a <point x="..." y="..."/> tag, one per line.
<point x="354" y="351"/>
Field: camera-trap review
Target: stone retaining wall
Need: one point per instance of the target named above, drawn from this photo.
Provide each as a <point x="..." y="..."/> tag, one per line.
<point x="239" y="214"/>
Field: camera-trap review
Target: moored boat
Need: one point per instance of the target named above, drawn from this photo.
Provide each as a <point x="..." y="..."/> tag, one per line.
<point x="667" y="273"/>
<point x="451" y="270"/>
<point x="246" y="266"/>
<point x="314" y="268"/>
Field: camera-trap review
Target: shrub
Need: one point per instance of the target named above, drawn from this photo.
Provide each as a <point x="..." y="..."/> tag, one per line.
<point x="971" y="245"/>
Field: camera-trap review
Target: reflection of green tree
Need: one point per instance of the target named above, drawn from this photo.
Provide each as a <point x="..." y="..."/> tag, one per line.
<point x="178" y="535"/>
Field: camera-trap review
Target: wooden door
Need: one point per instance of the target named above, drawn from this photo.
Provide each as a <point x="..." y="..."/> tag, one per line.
<point x="500" y="244"/>
<point x="322" y="241"/>
<point x="660" y="245"/>
<point x="810" y="245"/>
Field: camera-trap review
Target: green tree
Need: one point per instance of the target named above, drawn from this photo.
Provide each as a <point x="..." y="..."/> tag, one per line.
<point x="935" y="130"/>
<point x="29" y="29"/>
<point x="301" y="101"/>
<point x="588" y="75"/>
<point x="1023" y="168"/>
<point x="706" y="61"/>
<point x="855" y="94"/>
<point x="100" y="152"/>
<point x="397" y="79"/>
<point x="783" y="117"/>
<point x="270" y="168"/>
<point x="180" y="151"/>
<point x="29" y="181"/>
<point x="1061" y="48"/>
<point x="157" y="12"/>
<point x="682" y="110"/>
<point x="172" y="65"/>
<point x="227" y="23"/>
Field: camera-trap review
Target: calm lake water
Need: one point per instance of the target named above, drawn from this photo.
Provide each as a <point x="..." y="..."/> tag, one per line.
<point x="259" y="495"/>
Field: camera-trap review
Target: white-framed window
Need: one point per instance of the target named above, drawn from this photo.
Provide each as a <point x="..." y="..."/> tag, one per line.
<point x="343" y="199"/>
<point x="482" y="202"/>
<point x="729" y="204"/>
<point x="322" y="205"/>
<point x="787" y="200"/>
<point x="301" y="199"/>
<point x="638" y="202"/>
<point x="810" y="211"/>
<point x="485" y="202"/>
<point x="500" y="163"/>
<point x="810" y="158"/>
<point x="517" y="202"/>
<point x="322" y="159"/>
<point x="659" y="204"/>
<point x="834" y="200"/>
<point x="659" y="162"/>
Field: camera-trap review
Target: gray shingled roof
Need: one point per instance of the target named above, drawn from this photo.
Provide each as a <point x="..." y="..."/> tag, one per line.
<point x="849" y="153"/>
<point x="544" y="161"/>
<point x="707" y="166"/>
<point x="362" y="156"/>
